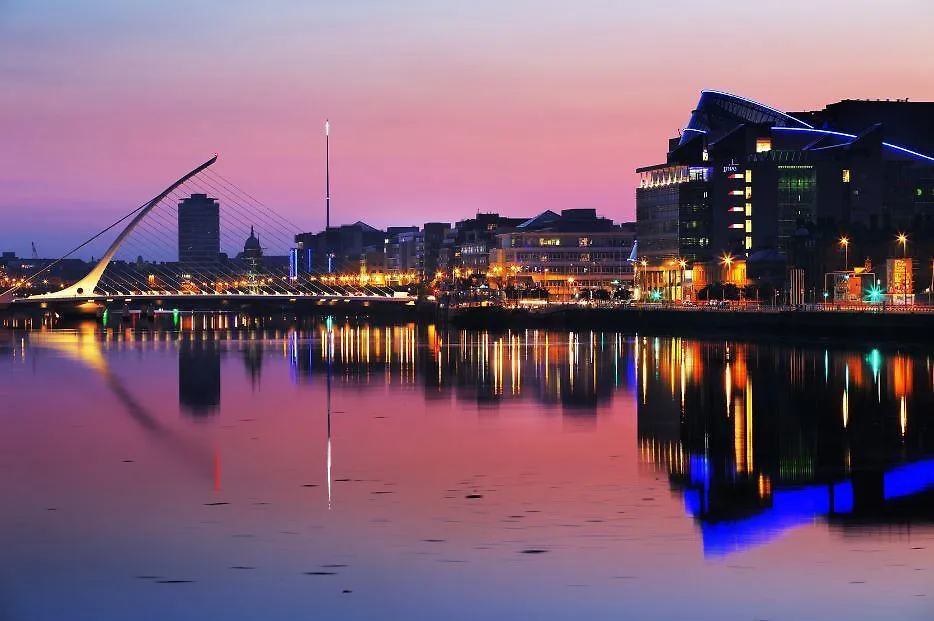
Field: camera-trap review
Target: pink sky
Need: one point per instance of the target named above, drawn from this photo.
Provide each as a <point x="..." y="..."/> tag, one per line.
<point x="437" y="111"/>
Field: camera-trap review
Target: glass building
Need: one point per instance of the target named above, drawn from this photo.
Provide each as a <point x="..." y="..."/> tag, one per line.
<point x="746" y="180"/>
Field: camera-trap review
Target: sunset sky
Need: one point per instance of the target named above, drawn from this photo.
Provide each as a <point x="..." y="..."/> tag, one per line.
<point x="437" y="109"/>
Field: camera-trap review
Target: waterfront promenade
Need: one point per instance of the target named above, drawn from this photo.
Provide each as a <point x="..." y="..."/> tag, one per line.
<point x="833" y="323"/>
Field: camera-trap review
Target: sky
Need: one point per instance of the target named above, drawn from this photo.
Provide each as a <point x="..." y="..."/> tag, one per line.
<point x="437" y="109"/>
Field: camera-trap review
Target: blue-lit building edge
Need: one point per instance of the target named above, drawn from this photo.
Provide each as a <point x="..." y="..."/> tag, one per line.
<point x="791" y="508"/>
<point x="808" y="137"/>
<point x="300" y="262"/>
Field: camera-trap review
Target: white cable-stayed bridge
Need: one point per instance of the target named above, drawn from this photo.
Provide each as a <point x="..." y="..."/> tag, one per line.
<point x="203" y="243"/>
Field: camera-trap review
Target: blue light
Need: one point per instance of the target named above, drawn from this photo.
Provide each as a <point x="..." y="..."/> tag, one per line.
<point x="907" y="480"/>
<point x="761" y="105"/>
<point x="691" y="129"/>
<point x="809" y="130"/>
<point x="908" y="151"/>
<point x="828" y="132"/>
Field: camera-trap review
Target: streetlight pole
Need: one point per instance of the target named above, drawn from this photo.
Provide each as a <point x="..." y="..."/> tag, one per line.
<point x="683" y="264"/>
<point x="645" y="281"/>
<point x="903" y="240"/>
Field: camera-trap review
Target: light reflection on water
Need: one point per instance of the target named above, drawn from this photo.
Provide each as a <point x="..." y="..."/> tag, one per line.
<point x="363" y="471"/>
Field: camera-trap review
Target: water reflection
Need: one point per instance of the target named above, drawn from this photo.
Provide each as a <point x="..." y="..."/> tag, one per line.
<point x="762" y="439"/>
<point x="199" y="374"/>
<point x="386" y="447"/>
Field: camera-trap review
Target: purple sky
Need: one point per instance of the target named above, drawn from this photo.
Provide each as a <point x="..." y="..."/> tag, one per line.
<point x="437" y="111"/>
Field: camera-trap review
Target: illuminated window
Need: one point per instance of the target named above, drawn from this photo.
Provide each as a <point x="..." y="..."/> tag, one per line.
<point x="584" y="242"/>
<point x="738" y="225"/>
<point x="748" y="242"/>
<point x="748" y="210"/>
<point x="748" y="192"/>
<point x="736" y="209"/>
<point x="846" y="175"/>
<point x="738" y="175"/>
<point x="749" y="226"/>
<point x="748" y="176"/>
<point x="705" y="156"/>
<point x="736" y="192"/>
<point x="763" y="145"/>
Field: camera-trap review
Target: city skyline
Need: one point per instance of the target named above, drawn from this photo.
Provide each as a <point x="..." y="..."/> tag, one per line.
<point x="433" y="110"/>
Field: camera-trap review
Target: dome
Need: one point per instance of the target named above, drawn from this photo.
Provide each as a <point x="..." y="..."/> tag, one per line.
<point x="251" y="247"/>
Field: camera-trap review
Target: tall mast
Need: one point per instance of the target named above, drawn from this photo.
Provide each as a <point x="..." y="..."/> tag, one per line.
<point x="327" y="175"/>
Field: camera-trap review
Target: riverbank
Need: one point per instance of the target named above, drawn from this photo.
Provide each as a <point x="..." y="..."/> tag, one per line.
<point x="851" y="326"/>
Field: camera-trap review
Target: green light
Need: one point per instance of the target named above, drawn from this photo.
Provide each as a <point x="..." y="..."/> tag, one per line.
<point x="104" y="317"/>
<point x="874" y="294"/>
<point x="175" y="316"/>
<point x="875" y="362"/>
<point x="656" y="295"/>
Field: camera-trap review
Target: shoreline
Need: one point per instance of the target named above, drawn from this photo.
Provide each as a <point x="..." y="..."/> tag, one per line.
<point x="786" y="325"/>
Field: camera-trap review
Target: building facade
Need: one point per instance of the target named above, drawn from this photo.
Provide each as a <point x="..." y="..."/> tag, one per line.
<point x="745" y="180"/>
<point x="565" y="253"/>
<point x="199" y="237"/>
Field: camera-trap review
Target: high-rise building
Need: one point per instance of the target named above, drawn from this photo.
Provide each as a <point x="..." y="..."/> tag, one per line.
<point x="199" y="233"/>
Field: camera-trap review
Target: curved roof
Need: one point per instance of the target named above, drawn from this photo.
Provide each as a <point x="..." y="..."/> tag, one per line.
<point x="718" y="112"/>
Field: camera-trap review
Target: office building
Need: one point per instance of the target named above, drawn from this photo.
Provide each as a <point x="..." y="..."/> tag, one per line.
<point x="565" y="253"/>
<point x="748" y="191"/>
<point x="199" y="234"/>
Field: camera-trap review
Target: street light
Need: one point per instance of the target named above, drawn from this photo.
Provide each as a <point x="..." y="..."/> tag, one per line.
<point x="726" y="260"/>
<point x="682" y="263"/>
<point x="645" y="280"/>
<point x="903" y="240"/>
<point x="845" y="243"/>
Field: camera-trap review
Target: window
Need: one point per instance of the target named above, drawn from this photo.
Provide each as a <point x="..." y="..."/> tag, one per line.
<point x="738" y="225"/>
<point x="749" y="226"/>
<point x="748" y="242"/>
<point x="748" y="192"/>
<point x="763" y="145"/>
<point x="846" y="175"/>
<point x="705" y="156"/>
<point x="736" y="192"/>
<point x="748" y="176"/>
<point x="748" y="210"/>
<point x="583" y="242"/>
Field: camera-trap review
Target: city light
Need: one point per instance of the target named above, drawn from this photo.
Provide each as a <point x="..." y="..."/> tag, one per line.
<point x="874" y="294"/>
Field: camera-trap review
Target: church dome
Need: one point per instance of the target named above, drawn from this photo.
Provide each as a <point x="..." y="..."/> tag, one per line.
<point x="251" y="247"/>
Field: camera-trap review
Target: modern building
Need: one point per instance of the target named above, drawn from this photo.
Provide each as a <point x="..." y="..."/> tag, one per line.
<point x="475" y="237"/>
<point x="433" y="238"/>
<point x="199" y="234"/>
<point x="566" y="253"/>
<point x="745" y="181"/>
<point x="338" y="249"/>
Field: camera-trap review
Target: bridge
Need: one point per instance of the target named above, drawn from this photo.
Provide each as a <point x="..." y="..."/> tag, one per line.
<point x="201" y="237"/>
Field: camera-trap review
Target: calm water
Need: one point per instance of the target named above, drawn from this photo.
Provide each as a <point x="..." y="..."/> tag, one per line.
<point x="191" y="473"/>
